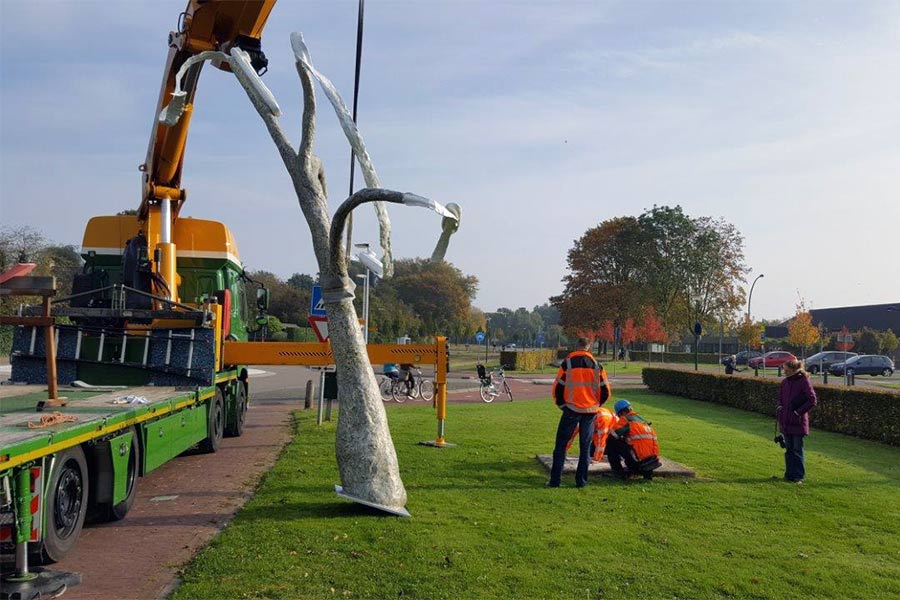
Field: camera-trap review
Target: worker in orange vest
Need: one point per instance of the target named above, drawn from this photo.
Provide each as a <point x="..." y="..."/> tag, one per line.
<point x="603" y="424"/>
<point x="579" y="390"/>
<point x="633" y="441"/>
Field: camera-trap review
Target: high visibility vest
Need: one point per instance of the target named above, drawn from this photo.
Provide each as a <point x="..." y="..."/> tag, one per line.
<point x="638" y="434"/>
<point x="582" y="379"/>
<point x="603" y="423"/>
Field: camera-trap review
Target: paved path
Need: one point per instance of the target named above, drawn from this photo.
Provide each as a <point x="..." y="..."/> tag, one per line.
<point x="182" y="505"/>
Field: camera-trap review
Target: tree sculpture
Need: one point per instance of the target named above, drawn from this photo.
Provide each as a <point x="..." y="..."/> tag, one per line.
<point x="366" y="457"/>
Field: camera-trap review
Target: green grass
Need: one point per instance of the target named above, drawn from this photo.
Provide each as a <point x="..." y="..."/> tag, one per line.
<point x="483" y="526"/>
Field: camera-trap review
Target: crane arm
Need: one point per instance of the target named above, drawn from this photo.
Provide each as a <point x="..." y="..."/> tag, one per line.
<point x="205" y="25"/>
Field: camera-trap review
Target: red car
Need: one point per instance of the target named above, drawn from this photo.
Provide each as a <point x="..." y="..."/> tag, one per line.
<point x="772" y="360"/>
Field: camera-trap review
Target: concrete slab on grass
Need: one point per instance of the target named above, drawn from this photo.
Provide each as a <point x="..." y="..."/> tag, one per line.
<point x="669" y="468"/>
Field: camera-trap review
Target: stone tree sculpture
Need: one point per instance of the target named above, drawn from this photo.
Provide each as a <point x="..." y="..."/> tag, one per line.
<point x="365" y="453"/>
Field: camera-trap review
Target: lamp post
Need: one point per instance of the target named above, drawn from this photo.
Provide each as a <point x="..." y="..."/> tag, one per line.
<point x="372" y="265"/>
<point x="749" y="299"/>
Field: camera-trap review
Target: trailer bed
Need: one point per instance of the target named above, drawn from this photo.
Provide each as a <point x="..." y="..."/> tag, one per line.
<point x="97" y="416"/>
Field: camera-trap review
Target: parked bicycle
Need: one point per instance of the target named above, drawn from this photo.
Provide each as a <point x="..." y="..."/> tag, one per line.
<point x="396" y="389"/>
<point x="493" y="384"/>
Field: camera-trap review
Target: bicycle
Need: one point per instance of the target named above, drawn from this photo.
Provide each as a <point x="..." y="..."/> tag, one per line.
<point x="398" y="391"/>
<point x="493" y="384"/>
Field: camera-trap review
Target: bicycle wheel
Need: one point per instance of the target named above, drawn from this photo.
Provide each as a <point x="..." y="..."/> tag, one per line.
<point x="487" y="392"/>
<point x="426" y="389"/>
<point x="507" y="390"/>
<point x="398" y="392"/>
<point x="385" y="388"/>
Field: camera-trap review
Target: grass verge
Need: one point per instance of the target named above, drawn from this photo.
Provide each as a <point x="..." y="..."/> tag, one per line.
<point x="484" y="527"/>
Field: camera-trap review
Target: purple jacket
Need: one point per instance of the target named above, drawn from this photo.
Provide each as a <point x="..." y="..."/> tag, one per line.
<point x="795" y="399"/>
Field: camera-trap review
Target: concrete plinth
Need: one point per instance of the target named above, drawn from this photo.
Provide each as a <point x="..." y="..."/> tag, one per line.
<point x="669" y="468"/>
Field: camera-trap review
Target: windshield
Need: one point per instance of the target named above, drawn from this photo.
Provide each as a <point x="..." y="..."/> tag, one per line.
<point x="852" y="359"/>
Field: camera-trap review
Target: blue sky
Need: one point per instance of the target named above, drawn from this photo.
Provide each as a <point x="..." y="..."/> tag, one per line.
<point x="540" y="119"/>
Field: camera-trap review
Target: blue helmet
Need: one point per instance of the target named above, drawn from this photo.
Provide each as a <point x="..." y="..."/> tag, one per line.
<point x="622" y="405"/>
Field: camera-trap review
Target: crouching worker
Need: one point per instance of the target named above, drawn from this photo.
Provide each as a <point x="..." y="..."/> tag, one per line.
<point x="633" y="441"/>
<point x="603" y="424"/>
<point x="579" y="390"/>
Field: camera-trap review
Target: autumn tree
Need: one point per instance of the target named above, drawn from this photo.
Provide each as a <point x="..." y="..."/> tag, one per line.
<point x="750" y="333"/>
<point x="688" y="269"/>
<point x="801" y="331"/>
<point x="651" y="329"/>
<point x="438" y="293"/>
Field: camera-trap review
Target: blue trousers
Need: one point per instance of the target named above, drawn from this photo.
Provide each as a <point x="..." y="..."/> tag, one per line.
<point x="794" y="464"/>
<point x="568" y="421"/>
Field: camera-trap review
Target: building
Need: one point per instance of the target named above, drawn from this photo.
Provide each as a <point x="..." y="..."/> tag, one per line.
<point x="879" y="317"/>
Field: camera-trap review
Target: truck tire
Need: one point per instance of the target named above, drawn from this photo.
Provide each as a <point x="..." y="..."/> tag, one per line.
<point x="215" y="423"/>
<point x="117" y="512"/>
<point x="66" y="505"/>
<point x="236" y="423"/>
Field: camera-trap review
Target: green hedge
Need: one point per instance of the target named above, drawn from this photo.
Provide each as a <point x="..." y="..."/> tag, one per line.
<point x="863" y="413"/>
<point x="705" y="358"/>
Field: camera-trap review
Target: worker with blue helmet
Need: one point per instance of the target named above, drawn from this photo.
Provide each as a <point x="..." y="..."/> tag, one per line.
<point x="632" y="441"/>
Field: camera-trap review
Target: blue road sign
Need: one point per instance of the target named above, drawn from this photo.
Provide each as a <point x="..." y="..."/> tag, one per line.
<point x="479" y="337"/>
<point x="540" y="338"/>
<point x="316" y="306"/>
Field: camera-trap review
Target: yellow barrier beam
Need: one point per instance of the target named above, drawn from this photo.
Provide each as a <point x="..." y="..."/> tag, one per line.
<point x="318" y="354"/>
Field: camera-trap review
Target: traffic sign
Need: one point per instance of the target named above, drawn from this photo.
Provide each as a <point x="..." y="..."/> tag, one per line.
<point x="316" y="305"/>
<point x="540" y="338"/>
<point x="479" y="336"/>
<point x="320" y="327"/>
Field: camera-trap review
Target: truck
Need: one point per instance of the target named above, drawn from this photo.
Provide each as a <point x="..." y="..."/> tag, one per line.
<point x="142" y="335"/>
<point x="148" y="356"/>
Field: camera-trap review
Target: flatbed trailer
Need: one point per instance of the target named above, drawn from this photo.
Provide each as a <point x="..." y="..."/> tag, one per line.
<point x="86" y="462"/>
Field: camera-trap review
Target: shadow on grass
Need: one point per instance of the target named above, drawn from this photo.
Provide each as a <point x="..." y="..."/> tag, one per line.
<point x="865" y="454"/>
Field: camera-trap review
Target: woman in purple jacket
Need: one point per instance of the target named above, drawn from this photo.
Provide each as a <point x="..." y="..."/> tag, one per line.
<point x="795" y="399"/>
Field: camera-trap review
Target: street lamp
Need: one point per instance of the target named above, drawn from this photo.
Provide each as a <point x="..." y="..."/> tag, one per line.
<point x="749" y="299"/>
<point x="372" y="265"/>
<point x="336" y="284"/>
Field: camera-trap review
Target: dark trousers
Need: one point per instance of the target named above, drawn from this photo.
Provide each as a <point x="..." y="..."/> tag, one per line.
<point x="568" y="421"/>
<point x="618" y="451"/>
<point x="794" y="464"/>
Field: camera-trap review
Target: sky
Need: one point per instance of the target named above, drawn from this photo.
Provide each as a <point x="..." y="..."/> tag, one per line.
<point x="540" y="119"/>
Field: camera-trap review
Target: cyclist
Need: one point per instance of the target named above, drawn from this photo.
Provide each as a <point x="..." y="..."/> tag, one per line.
<point x="391" y="370"/>
<point x="406" y="376"/>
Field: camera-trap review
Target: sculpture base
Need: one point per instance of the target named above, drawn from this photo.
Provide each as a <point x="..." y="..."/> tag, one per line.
<point x="437" y="444"/>
<point x="400" y="512"/>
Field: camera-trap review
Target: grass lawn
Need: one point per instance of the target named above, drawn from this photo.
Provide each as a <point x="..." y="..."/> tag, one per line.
<point x="484" y="527"/>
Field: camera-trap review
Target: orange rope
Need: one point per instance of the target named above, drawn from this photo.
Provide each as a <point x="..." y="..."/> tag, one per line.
<point x="52" y="419"/>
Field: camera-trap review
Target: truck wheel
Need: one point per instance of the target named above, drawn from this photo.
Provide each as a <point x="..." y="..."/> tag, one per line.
<point x="67" y="502"/>
<point x="236" y="426"/>
<point x="118" y="511"/>
<point x="215" y="423"/>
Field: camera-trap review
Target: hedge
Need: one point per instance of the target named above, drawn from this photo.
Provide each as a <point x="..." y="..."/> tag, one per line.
<point x="869" y="414"/>
<point x="526" y="360"/>
<point x="705" y="358"/>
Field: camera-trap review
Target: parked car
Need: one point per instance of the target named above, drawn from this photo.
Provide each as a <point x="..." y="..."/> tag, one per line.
<point x="822" y="361"/>
<point x="771" y="360"/>
<point x="866" y="364"/>
<point x="743" y="356"/>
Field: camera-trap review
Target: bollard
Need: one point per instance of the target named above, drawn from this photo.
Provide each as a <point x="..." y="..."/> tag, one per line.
<point x="779" y="370"/>
<point x="328" y="409"/>
<point x="307" y="401"/>
<point x="824" y="376"/>
<point x="851" y="378"/>
<point x="756" y="371"/>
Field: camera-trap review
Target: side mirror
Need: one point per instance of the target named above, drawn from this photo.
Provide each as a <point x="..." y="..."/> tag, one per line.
<point x="262" y="299"/>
